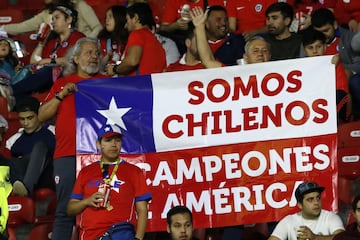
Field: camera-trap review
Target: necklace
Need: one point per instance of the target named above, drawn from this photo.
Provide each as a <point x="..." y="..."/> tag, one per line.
<point x="108" y="179"/>
<point x="59" y="43"/>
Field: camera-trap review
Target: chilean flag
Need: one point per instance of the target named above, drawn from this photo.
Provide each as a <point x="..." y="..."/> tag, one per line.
<point x="230" y="143"/>
<point x="126" y="102"/>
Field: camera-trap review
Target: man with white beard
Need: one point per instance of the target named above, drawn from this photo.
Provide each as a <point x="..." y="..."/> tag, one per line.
<point x="85" y="63"/>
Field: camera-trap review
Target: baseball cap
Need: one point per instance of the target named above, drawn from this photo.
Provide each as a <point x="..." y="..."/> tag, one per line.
<point x="3" y="122"/>
<point x="108" y="131"/>
<point x="307" y="187"/>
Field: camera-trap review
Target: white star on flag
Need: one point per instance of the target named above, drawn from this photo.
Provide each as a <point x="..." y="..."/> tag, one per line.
<point x="114" y="114"/>
<point x="116" y="183"/>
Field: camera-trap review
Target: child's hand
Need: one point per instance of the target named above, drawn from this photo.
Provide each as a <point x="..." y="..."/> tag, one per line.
<point x="335" y="59"/>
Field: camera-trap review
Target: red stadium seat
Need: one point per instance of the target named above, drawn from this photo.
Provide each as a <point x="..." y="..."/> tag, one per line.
<point x="43" y="223"/>
<point x="101" y="7"/>
<point x="14" y="124"/>
<point x="44" y="193"/>
<point x="256" y="231"/>
<point x="49" y="217"/>
<point x="41" y="232"/>
<point x="349" y="162"/>
<point x="19" y="4"/>
<point x="16" y="15"/>
<point x="349" y="135"/>
<point x="344" y="190"/>
<point x="108" y="3"/>
<point x="3" y="107"/>
<point x="11" y="15"/>
<point x="45" y="205"/>
<point x="12" y="234"/>
<point x="21" y="210"/>
<point x="348" y="153"/>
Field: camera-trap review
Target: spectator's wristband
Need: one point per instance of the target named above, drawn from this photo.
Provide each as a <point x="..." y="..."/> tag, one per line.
<point x="115" y="72"/>
<point x="57" y="96"/>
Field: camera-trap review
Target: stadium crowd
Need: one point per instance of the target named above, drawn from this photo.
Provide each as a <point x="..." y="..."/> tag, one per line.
<point x="73" y="44"/>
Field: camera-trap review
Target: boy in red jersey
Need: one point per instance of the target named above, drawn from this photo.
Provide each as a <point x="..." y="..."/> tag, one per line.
<point x="191" y="59"/>
<point x="314" y="43"/>
<point x="338" y="39"/>
<point x="106" y="193"/>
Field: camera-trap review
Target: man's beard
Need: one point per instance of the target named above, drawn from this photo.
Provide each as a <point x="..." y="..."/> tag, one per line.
<point x="91" y="70"/>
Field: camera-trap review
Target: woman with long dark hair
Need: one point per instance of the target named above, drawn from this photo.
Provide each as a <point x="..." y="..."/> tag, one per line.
<point x="113" y="37"/>
<point x="8" y="65"/>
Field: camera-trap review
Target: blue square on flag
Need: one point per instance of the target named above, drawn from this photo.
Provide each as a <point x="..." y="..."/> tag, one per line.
<point x="124" y="101"/>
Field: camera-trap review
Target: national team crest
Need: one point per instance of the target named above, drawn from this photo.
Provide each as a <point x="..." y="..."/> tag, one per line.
<point x="258" y="7"/>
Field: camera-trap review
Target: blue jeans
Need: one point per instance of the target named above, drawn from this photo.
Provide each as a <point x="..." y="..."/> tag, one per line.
<point x="354" y="87"/>
<point x="119" y="231"/>
<point x="64" y="176"/>
<point x="35" y="169"/>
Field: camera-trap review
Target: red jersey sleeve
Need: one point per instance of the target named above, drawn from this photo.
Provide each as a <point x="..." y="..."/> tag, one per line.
<point x="170" y="13"/>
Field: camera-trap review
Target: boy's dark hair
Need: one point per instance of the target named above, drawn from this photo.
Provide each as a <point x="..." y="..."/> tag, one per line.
<point x="27" y="104"/>
<point x="311" y="35"/>
<point x="285" y="9"/>
<point x="189" y="34"/>
<point x="68" y="10"/>
<point x="177" y="210"/>
<point x="354" y="202"/>
<point x="321" y="17"/>
<point x="144" y="12"/>
<point x="305" y="188"/>
<point x="215" y="8"/>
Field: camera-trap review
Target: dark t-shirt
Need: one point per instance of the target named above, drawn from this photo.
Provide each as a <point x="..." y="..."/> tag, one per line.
<point x="351" y="233"/>
<point x="25" y="143"/>
<point x="287" y="48"/>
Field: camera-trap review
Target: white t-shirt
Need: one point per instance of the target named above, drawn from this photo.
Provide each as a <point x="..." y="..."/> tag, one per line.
<point x="326" y="224"/>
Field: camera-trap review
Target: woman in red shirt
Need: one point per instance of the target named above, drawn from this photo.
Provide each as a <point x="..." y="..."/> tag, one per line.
<point x="113" y="37"/>
<point x="49" y="56"/>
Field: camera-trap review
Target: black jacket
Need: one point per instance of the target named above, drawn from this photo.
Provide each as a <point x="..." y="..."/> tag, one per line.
<point x="231" y="50"/>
